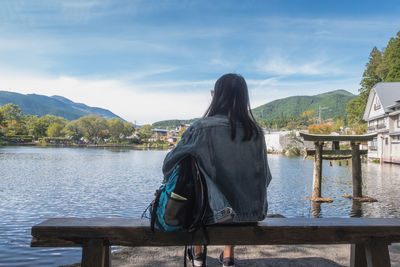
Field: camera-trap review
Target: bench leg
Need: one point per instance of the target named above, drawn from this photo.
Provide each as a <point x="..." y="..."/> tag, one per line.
<point x="93" y="253"/>
<point x="107" y="256"/>
<point x="357" y="256"/>
<point x="377" y="254"/>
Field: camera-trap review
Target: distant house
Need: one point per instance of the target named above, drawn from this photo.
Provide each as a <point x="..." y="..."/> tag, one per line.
<point x="382" y="113"/>
<point x="159" y="134"/>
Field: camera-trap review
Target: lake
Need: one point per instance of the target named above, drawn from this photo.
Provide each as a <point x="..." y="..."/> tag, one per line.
<point x="39" y="183"/>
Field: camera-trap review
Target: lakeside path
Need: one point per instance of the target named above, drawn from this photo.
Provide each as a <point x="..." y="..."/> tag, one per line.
<point x="252" y="256"/>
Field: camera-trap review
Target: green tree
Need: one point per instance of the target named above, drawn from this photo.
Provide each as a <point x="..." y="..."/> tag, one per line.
<point x="55" y="130"/>
<point x="94" y="129"/>
<point x="38" y="126"/>
<point x="2" y="120"/>
<point x="12" y="119"/>
<point x="73" y="130"/>
<point x="391" y="60"/>
<point x="129" y="129"/>
<point x="338" y="125"/>
<point x="86" y="126"/>
<point x="355" y="110"/>
<point x="371" y="76"/>
<point x="381" y="67"/>
<point x="101" y="129"/>
<point x="116" y="128"/>
<point x="145" y="132"/>
<point x="373" y="72"/>
<point x="12" y="112"/>
<point x="30" y="122"/>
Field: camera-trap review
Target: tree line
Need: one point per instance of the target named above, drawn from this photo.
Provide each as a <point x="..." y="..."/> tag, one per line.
<point x="382" y="66"/>
<point x="90" y="129"/>
<point x="308" y="120"/>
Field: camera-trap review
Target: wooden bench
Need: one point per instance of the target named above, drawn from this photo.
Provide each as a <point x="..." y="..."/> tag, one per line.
<point x="369" y="237"/>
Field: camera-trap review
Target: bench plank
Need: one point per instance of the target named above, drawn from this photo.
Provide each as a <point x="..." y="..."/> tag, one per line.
<point x="136" y="232"/>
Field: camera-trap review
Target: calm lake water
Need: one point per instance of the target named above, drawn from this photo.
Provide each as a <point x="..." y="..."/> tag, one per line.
<point x="40" y="183"/>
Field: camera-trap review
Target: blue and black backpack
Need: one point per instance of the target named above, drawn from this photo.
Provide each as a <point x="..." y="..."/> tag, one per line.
<point x="181" y="203"/>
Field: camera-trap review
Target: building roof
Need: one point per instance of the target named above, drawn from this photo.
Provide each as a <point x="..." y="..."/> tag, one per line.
<point x="160" y="130"/>
<point x="388" y="93"/>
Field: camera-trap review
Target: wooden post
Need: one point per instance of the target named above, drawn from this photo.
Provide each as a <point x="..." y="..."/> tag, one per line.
<point x="356" y="169"/>
<point x="335" y="145"/>
<point x="316" y="193"/>
<point x="93" y="253"/>
<point x="107" y="256"/>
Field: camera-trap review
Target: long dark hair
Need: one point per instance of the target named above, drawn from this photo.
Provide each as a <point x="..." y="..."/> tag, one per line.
<point x="231" y="98"/>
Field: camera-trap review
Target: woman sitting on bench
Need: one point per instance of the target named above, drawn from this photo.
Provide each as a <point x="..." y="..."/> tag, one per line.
<point x="230" y="150"/>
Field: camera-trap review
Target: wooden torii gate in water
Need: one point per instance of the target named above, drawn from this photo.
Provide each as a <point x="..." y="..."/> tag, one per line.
<point x="337" y="154"/>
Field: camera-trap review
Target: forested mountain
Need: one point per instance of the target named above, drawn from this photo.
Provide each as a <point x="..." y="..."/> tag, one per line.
<point x="333" y="104"/>
<point x="41" y="105"/>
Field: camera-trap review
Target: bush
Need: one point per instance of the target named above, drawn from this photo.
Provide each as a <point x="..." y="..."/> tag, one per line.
<point x="320" y="128"/>
<point x="3" y="143"/>
<point x="293" y="152"/>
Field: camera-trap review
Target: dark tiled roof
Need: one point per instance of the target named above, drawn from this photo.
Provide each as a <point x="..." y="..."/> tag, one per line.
<point x="388" y="93"/>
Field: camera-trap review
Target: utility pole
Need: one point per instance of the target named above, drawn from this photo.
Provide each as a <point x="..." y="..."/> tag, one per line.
<point x="320" y="109"/>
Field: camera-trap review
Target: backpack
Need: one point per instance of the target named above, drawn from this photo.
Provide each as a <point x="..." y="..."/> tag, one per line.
<point x="181" y="203"/>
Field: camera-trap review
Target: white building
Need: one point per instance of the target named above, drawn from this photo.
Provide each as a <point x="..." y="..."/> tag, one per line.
<point x="278" y="141"/>
<point x="382" y="113"/>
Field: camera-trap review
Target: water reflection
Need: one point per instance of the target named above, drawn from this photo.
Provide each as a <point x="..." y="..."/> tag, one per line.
<point x="356" y="209"/>
<point x="316" y="209"/>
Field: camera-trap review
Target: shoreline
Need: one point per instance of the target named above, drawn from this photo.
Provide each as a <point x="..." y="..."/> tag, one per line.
<point x="134" y="147"/>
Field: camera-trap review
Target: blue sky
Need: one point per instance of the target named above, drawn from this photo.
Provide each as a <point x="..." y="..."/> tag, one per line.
<point x="155" y="60"/>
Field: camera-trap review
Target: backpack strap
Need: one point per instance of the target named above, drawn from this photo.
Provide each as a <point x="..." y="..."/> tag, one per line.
<point x="184" y="257"/>
<point x="154" y="209"/>
<point x="206" y="238"/>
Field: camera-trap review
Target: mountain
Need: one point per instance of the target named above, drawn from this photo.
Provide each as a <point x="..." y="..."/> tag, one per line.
<point x="333" y="102"/>
<point x="41" y="105"/>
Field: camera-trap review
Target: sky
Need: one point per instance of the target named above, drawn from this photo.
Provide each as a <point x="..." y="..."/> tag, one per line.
<point x="150" y="60"/>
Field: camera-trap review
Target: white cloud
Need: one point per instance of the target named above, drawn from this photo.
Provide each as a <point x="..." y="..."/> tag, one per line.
<point x="280" y="66"/>
<point x="134" y="102"/>
<point x="150" y="102"/>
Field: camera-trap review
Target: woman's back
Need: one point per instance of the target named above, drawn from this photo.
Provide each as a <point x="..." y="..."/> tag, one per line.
<point x="236" y="171"/>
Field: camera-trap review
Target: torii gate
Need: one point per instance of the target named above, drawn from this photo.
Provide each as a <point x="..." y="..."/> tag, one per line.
<point x="337" y="154"/>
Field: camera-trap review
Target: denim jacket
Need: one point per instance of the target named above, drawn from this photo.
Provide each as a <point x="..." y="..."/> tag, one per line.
<point x="236" y="171"/>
